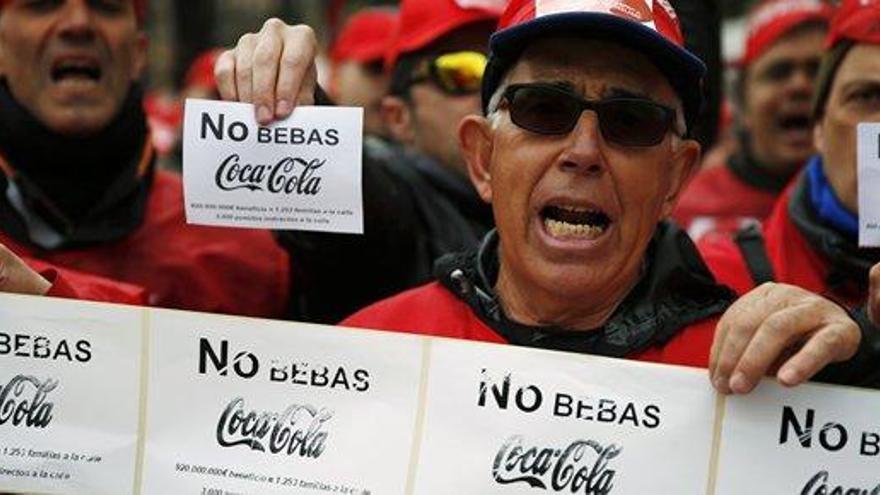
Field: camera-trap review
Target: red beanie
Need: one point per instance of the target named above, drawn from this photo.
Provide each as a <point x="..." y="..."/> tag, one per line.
<point x="773" y="19"/>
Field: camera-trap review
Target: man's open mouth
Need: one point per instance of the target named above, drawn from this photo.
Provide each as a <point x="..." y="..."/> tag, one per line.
<point x="575" y="222"/>
<point x="795" y="122"/>
<point x="85" y="70"/>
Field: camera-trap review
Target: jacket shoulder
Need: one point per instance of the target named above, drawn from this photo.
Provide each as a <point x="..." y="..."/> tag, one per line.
<point x="427" y="310"/>
<point x="726" y="262"/>
<point x="690" y="347"/>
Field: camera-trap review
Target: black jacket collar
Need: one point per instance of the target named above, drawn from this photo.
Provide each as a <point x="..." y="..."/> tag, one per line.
<point x="83" y="189"/>
<point x="676" y="290"/>
<point x="848" y="264"/>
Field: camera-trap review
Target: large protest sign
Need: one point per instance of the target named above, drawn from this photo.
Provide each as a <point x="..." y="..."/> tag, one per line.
<point x="519" y="421"/>
<point x="100" y="399"/>
<point x="69" y="396"/>
<point x="302" y="173"/>
<point x="259" y="407"/>
<point x="811" y="440"/>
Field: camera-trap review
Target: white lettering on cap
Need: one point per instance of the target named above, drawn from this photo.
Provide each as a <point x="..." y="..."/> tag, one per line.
<point x="490" y="5"/>
<point x="637" y="10"/>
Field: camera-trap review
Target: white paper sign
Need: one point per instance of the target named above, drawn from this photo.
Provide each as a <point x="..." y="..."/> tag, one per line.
<point x="869" y="184"/>
<point x="302" y="173"/>
<point x="504" y="420"/>
<point x="811" y="440"/>
<point x="69" y="396"/>
<point x="258" y="407"/>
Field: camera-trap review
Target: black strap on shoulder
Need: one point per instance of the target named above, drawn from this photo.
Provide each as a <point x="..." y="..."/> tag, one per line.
<point x="751" y="245"/>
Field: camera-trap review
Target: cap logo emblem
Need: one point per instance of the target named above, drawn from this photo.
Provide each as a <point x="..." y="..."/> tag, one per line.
<point x="637" y="10"/>
<point x="490" y="5"/>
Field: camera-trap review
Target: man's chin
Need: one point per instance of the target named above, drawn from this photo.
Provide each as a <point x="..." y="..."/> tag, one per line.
<point x="77" y="120"/>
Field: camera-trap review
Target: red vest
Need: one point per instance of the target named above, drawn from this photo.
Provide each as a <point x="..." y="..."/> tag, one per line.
<point x="716" y="200"/>
<point x="70" y="284"/>
<point x="235" y="271"/>
<point x="793" y="260"/>
<point x="433" y="310"/>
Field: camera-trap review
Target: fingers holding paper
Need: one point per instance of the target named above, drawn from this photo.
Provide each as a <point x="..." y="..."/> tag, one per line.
<point x="17" y="277"/>
<point x="780" y="329"/>
<point x="274" y="69"/>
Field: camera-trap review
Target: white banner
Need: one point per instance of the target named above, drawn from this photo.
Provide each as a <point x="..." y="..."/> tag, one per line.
<point x="503" y="420"/>
<point x="69" y="396"/>
<point x="811" y="440"/>
<point x="103" y="399"/>
<point x="301" y="173"/>
<point x="262" y="407"/>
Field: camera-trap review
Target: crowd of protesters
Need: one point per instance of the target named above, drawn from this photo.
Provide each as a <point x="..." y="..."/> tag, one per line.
<point x="523" y="164"/>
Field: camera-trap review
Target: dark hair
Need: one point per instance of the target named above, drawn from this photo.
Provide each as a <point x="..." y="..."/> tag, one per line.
<point x="824" y="80"/>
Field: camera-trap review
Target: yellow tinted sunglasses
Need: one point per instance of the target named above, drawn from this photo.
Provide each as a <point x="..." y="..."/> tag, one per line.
<point x="456" y="73"/>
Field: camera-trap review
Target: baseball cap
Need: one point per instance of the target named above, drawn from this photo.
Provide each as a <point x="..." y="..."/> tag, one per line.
<point x="855" y="21"/>
<point x="140" y="8"/>
<point x="366" y="35"/>
<point x="773" y="19"/>
<point x="423" y="22"/>
<point x="648" y="26"/>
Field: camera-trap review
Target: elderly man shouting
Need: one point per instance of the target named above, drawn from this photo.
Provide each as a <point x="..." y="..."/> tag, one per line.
<point x="582" y="154"/>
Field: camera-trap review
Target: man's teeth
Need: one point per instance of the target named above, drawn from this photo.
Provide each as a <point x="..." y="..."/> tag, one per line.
<point x="565" y="229"/>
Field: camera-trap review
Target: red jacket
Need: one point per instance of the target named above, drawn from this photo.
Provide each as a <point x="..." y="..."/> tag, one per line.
<point x="433" y="310"/>
<point x="236" y="271"/>
<point x="793" y="259"/>
<point x="71" y="284"/>
<point x="717" y="200"/>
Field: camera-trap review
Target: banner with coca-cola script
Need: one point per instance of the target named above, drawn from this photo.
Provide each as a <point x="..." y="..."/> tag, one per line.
<point x="517" y="421"/>
<point x="102" y="399"/>
<point x="70" y="395"/>
<point x="261" y="407"/>
<point x="301" y="173"/>
<point x="810" y="440"/>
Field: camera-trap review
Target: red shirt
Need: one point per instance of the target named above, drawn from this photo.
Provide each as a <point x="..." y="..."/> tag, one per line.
<point x="235" y="271"/>
<point x="433" y="310"/>
<point x="717" y="200"/>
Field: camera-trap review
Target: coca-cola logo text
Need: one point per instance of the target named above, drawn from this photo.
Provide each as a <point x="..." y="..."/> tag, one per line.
<point x="23" y="402"/>
<point x="581" y="467"/>
<point x="298" y="431"/>
<point x="290" y="175"/>
<point x="818" y="485"/>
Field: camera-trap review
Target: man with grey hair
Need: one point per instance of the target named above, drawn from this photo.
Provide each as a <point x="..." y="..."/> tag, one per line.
<point x="582" y="156"/>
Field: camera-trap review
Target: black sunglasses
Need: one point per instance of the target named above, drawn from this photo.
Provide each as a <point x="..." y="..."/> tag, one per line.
<point x="550" y="110"/>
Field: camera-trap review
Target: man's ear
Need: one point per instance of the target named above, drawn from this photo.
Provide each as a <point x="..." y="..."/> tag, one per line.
<point x="819" y="137"/>
<point x="140" y="56"/>
<point x="475" y="142"/>
<point x="685" y="161"/>
<point x="398" y="118"/>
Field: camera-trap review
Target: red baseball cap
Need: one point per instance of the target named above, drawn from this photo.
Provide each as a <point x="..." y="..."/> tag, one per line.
<point x="648" y="26"/>
<point x="856" y="20"/>
<point x="423" y="22"/>
<point x="366" y="35"/>
<point x="140" y="8"/>
<point x="773" y="19"/>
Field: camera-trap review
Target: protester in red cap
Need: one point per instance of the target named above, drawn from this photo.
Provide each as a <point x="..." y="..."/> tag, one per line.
<point x="357" y="75"/>
<point x="78" y="188"/>
<point x="811" y="238"/>
<point x="773" y="92"/>
<point x="418" y="203"/>
<point x="583" y="150"/>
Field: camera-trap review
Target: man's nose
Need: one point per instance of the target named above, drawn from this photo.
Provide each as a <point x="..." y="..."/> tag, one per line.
<point x="583" y="153"/>
<point x="77" y="20"/>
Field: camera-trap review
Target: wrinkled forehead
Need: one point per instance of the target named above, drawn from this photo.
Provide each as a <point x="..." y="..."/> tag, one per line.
<point x="592" y="67"/>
